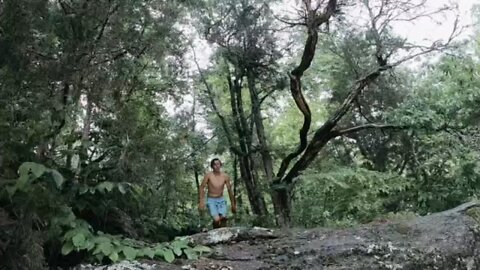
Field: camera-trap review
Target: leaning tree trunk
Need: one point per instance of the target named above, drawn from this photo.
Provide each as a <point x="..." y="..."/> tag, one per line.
<point x="313" y="20"/>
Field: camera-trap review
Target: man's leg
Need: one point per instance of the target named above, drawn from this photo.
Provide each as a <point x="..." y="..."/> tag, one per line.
<point x="223" y="221"/>
<point x="217" y="222"/>
<point x="222" y="211"/>
<point x="212" y="207"/>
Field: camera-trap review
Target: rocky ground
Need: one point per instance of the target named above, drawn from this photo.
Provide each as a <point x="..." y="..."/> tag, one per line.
<point x="446" y="240"/>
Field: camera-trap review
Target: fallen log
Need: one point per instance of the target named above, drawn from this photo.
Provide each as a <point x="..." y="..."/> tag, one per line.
<point x="445" y="240"/>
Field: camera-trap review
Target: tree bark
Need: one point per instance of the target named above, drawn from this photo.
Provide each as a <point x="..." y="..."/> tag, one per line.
<point x="313" y="20"/>
<point x="87" y="121"/>
<point x="260" y="128"/>
<point x="247" y="165"/>
<point x="278" y="199"/>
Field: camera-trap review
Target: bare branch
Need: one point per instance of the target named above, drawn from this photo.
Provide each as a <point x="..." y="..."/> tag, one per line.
<point x="42" y="55"/>
<point x="398" y="11"/>
<point x="359" y="107"/>
<point x="269" y="93"/>
<point x="342" y="132"/>
<point x="290" y="23"/>
<point x="67" y="9"/>
<point x="105" y="22"/>
<point x="201" y="147"/>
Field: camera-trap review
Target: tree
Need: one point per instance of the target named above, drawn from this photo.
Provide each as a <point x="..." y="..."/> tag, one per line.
<point x="82" y="87"/>
<point x="247" y="54"/>
<point x="383" y="49"/>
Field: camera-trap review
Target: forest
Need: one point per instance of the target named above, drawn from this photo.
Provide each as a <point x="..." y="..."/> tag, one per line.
<point x="322" y="112"/>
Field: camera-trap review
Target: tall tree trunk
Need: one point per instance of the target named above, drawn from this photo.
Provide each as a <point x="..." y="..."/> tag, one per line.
<point x="197" y="180"/>
<point x="194" y="159"/>
<point x="87" y="121"/>
<point x="260" y="128"/>
<point x="235" y="178"/>
<point x="283" y="182"/>
<point x="243" y="151"/>
<point x="255" y="198"/>
<point x="236" y="193"/>
<point x="279" y="199"/>
<point x="247" y="168"/>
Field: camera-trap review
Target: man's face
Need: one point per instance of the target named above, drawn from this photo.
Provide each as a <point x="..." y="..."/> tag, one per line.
<point x="217" y="165"/>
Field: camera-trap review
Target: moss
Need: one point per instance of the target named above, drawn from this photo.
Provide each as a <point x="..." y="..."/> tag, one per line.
<point x="402" y="228"/>
<point x="401" y="216"/>
<point x="474" y="213"/>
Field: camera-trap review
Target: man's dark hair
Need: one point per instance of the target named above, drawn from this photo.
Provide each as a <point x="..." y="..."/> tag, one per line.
<point x="213" y="162"/>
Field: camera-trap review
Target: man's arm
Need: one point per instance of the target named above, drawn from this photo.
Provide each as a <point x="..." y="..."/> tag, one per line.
<point x="201" y="195"/>
<point x="230" y="194"/>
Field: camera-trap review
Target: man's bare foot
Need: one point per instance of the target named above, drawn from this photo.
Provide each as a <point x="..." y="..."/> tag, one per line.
<point x="223" y="221"/>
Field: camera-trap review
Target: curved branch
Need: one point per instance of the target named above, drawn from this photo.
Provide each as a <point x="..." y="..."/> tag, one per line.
<point x="324" y="134"/>
<point x="342" y="132"/>
<point x="313" y="21"/>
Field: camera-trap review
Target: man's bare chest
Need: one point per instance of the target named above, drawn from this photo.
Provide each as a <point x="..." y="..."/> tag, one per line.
<point x="217" y="181"/>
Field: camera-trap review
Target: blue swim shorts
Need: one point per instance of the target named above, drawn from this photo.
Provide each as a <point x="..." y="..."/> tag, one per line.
<point x="217" y="206"/>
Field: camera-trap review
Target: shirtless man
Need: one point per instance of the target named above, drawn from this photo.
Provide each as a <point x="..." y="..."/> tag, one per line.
<point x="215" y="181"/>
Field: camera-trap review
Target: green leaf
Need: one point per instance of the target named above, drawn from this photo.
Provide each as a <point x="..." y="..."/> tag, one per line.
<point x="58" y="178"/>
<point x="83" y="190"/>
<point x="116" y="241"/>
<point x="168" y="255"/>
<point x="70" y="234"/>
<point x="137" y="189"/>
<point x="36" y="169"/>
<point x="159" y="251"/>
<point x="101" y="239"/>
<point x="79" y="240"/>
<point x="105" y="186"/>
<point x="191" y="255"/>
<point x="89" y="245"/>
<point x="149" y="252"/>
<point x="100" y="187"/>
<point x="113" y="256"/>
<point x="121" y="188"/>
<point x="130" y="253"/>
<point x="22" y="181"/>
<point x="106" y="248"/>
<point x="67" y="248"/>
<point x="177" y="251"/>
<point x="108" y="186"/>
<point x="201" y="249"/>
<point x="182" y="243"/>
<point x="178" y="245"/>
<point x="97" y="250"/>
